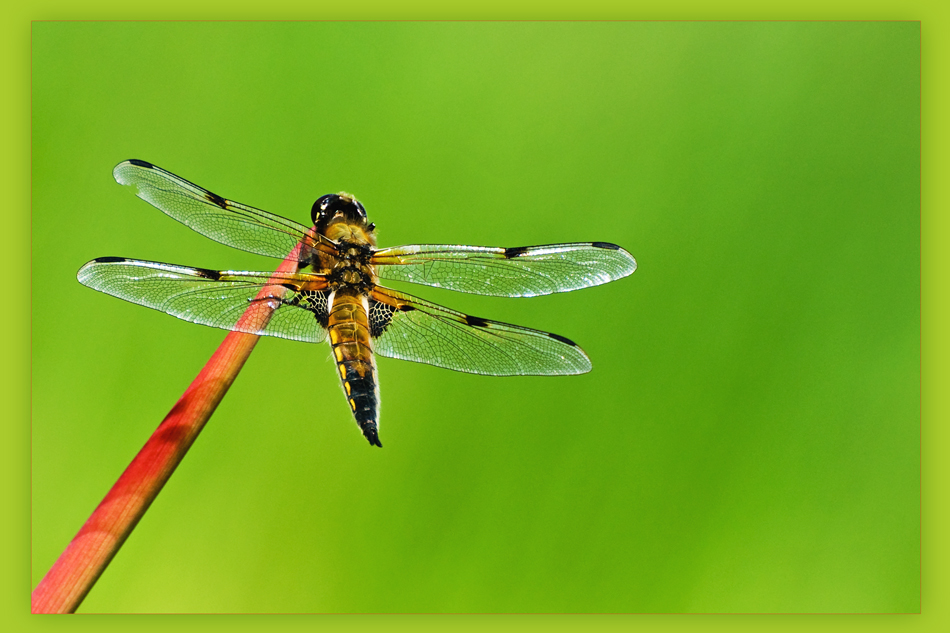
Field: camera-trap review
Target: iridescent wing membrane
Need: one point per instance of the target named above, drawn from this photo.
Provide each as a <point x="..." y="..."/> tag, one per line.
<point x="403" y="326"/>
<point x="424" y="332"/>
<point x="216" y="298"/>
<point x="525" y="271"/>
<point x="222" y="220"/>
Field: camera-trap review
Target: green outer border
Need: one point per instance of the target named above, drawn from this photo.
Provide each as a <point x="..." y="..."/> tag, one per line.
<point x="935" y="35"/>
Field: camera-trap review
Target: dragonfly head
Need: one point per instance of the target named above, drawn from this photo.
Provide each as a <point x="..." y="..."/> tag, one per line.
<point x="338" y="207"/>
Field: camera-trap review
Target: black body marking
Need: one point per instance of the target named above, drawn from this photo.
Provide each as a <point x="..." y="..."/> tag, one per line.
<point x="362" y="397"/>
<point x="371" y="433"/>
<point x="476" y="321"/>
<point x="362" y="392"/>
<point x="606" y="245"/>
<point x="567" y="341"/>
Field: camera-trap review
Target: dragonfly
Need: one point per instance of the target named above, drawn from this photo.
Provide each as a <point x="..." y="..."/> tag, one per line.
<point x="334" y="294"/>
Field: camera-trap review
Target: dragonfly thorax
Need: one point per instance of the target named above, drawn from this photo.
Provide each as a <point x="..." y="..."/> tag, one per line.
<point x="351" y="267"/>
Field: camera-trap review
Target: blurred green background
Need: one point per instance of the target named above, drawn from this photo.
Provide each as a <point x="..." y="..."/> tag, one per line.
<point x="748" y="439"/>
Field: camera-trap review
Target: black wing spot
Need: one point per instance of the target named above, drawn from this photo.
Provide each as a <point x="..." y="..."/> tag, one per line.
<point x="214" y="198"/>
<point x="208" y="274"/>
<point x="515" y="251"/>
<point x="141" y="163"/>
<point x="406" y="308"/>
<point x="109" y="260"/>
<point x="476" y="321"/>
<point x="566" y="341"/>
<point x="607" y="245"/>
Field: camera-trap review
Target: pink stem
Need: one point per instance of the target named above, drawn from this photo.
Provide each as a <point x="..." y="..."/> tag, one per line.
<point x="85" y="558"/>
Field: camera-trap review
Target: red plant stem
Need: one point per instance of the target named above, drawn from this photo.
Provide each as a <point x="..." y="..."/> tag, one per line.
<point x="85" y="558"/>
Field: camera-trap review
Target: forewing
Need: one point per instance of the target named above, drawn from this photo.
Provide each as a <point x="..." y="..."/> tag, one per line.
<point x="410" y="328"/>
<point x="222" y="220"/>
<point x="525" y="271"/>
<point x="217" y="298"/>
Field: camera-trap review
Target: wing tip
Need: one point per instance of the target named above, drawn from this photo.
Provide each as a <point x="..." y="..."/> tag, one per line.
<point x="117" y="171"/>
<point x="88" y="269"/>
<point x="580" y="363"/>
<point x="585" y="366"/>
<point x="633" y="263"/>
<point x="610" y="246"/>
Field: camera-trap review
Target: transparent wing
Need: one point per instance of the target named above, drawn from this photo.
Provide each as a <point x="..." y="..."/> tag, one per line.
<point x="409" y="328"/>
<point x="296" y="302"/>
<point x="525" y="271"/>
<point x="222" y="220"/>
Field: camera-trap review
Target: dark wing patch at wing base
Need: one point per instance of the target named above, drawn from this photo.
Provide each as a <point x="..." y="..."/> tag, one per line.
<point x="292" y="308"/>
<point x="315" y="302"/>
<point x="380" y="316"/>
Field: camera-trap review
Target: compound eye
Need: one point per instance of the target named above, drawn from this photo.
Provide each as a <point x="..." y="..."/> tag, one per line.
<point x="321" y="206"/>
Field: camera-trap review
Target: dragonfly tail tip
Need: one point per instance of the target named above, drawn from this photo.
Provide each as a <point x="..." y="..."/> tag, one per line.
<point x="371" y="434"/>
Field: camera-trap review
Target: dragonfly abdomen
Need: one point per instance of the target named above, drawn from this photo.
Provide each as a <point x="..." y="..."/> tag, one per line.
<point x="348" y="327"/>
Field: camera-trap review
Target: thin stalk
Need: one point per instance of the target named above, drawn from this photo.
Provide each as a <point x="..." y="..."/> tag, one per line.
<point x="77" y="569"/>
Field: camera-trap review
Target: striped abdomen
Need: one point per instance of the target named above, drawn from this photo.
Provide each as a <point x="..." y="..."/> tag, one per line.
<point x="349" y="337"/>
